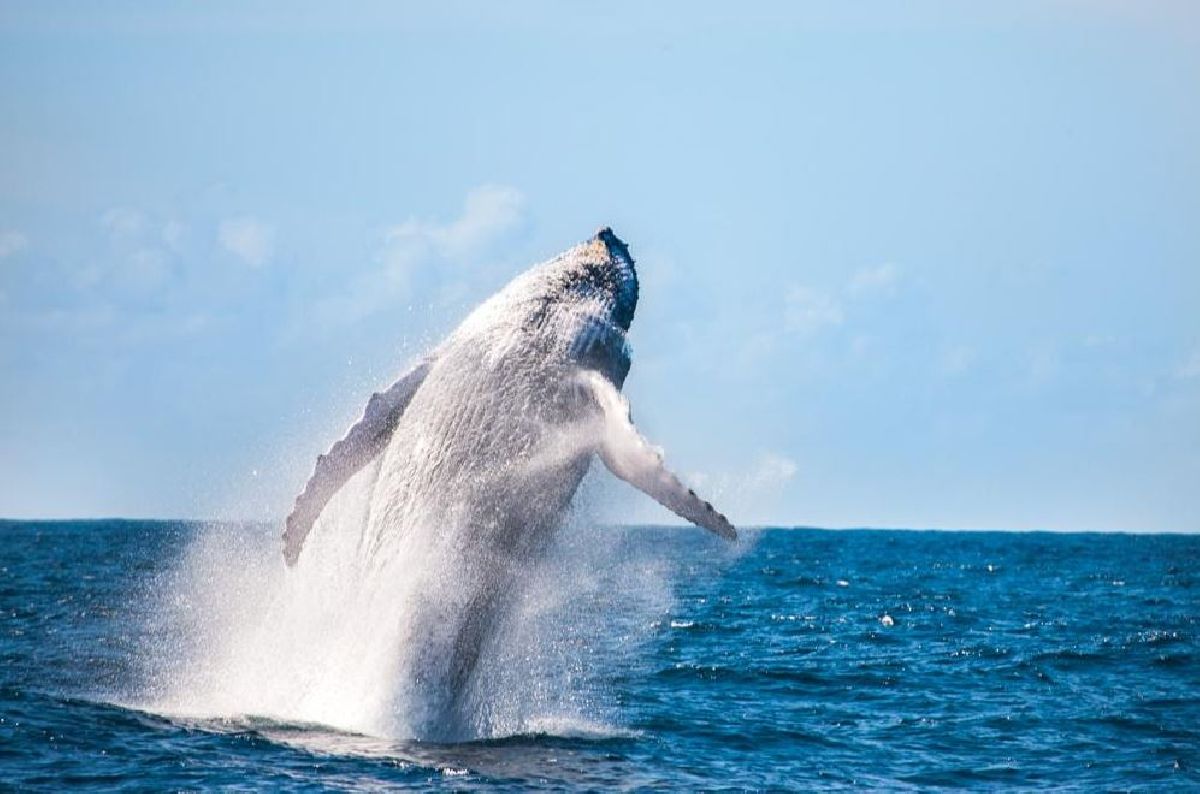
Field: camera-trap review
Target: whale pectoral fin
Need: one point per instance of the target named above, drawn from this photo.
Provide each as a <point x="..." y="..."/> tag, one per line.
<point x="366" y="439"/>
<point x="632" y="458"/>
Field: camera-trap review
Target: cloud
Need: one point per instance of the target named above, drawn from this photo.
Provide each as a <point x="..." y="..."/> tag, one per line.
<point x="173" y="233"/>
<point x="12" y="242"/>
<point x="248" y="239"/>
<point x="124" y="222"/>
<point x="137" y="267"/>
<point x="807" y="310"/>
<point x="835" y="314"/>
<point x="1190" y="367"/>
<point x="488" y="212"/>
<point x="145" y="271"/>
<point x="421" y="257"/>
<point x="749" y="493"/>
<point x="874" y="279"/>
<point x="955" y="360"/>
<point x="770" y="472"/>
<point x="1044" y="364"/>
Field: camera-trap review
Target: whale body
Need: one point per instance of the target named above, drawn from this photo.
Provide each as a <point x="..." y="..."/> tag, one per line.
<point x="474" y="455"/>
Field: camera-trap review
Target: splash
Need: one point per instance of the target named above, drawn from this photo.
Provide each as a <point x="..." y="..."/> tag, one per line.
<point x="238" y="634"/>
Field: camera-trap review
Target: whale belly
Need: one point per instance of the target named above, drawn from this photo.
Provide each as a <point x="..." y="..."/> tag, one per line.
<point x="473" y="488"/>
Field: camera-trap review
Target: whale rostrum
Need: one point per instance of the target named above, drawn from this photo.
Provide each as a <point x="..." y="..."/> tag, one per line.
<point x="491" y="432"/>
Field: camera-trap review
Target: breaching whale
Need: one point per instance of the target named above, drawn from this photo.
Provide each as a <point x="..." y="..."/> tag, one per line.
<point x="476" y="452"/>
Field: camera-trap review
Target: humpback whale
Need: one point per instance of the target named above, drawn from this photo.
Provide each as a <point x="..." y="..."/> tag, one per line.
<point x="475" y="453"/>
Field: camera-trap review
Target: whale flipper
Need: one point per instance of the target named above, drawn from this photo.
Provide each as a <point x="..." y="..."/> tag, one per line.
<point x="632" y="458"/>
<point x="356" y="449"/>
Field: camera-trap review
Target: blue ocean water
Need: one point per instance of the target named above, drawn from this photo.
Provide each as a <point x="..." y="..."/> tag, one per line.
<point x="803" y="659"/>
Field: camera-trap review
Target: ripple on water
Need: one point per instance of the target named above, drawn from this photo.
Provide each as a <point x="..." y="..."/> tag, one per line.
<point x="1038" y="674"/>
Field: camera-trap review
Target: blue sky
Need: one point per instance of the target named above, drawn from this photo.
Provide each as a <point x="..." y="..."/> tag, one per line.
<point x="929" y="264"/>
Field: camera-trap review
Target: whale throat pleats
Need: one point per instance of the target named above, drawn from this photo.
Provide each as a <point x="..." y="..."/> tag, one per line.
<point x="362" y="442"/>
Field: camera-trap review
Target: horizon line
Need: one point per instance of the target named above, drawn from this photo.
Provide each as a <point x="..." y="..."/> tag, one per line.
<point x="632" y="525"/>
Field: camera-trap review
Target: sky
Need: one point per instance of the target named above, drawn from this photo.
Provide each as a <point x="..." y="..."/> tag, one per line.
<point x="903" y="264"/>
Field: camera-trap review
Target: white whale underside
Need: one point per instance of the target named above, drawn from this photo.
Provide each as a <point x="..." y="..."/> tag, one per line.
<point x="470" y="462"/>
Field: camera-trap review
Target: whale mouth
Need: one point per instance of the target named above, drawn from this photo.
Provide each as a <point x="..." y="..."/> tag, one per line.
<point x="622" y="277"/>
<point x="600" y="345"/>
<point x="615" y="245"/>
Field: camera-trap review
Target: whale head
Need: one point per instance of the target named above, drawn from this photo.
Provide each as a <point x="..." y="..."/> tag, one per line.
<point x="596" y="283"/>
<point x="599" y="272"/>
<point x="576" y="308"/>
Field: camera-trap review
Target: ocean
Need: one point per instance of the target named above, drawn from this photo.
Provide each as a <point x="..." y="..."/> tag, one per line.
<point x="656" y="658"/>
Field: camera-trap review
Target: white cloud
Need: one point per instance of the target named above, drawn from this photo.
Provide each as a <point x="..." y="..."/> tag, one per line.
<point x="12" y="242"/>
<point x="426" y="258"/>
<point x="123" y="222"/>
<point x="1044" y="364"/>
<point x="248" y="239"/>
<point x="955" y="360"/>
<point x="145" y="270"/>
<point x="1101" y="340"/>
<point x="172" y="235"/>
<point x="489" y="211"/>
<point x="862" y="345"/>
<point x="770" y="472"/>
<point x="807" y="310"/>
<point x="750" y="493"/>
<point x="1190" y="367"/>
<point x="874" y="279"/>
<point x="137" y="264"/>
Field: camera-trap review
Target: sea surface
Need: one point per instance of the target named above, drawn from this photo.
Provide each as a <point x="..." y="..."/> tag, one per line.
<point x="801" y="659"/>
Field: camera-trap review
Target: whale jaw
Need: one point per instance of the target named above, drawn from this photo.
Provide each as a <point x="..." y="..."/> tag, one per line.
<point x="604" y="267"/>
<point x="626" y="293"/>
